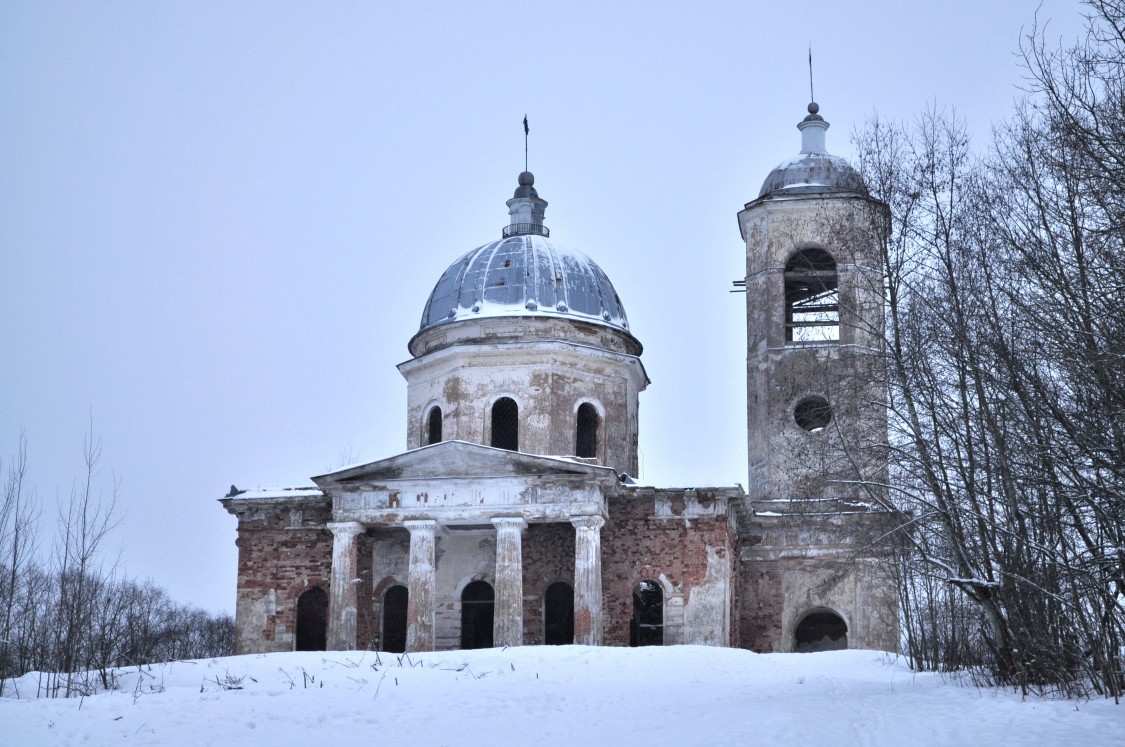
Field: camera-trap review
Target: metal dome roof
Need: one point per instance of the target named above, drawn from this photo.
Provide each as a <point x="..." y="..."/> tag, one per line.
<point x="524" y="275"/>
<point x="814" y="170"/>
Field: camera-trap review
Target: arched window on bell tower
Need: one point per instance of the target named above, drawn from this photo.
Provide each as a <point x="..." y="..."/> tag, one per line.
<point x="586" y="436"/>
<point x="506" y="424"/>
<point x="812" y="297"/>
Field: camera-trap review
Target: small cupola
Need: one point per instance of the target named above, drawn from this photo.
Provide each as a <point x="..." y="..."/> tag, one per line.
<point x="814" y="170"/>
<point x="526" y="210"/>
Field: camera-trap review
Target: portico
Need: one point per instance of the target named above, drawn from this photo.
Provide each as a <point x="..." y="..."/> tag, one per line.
<point x="464" y="507"/>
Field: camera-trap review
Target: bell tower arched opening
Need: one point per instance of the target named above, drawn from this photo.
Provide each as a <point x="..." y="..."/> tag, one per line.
<point x="812" y="297"/>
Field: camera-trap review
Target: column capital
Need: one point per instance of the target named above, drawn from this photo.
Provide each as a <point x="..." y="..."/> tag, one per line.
<point x="587" y="522"/>
<point x="509" y="522"/>
<point x="421" y="525"/>
<point x="346" y="528"/>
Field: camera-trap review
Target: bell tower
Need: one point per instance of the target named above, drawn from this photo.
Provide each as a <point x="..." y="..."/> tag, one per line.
<point x="816" y="412"/>
<point x="814" y="322"/>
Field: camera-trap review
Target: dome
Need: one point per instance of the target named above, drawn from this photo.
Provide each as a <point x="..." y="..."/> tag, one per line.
<point x="524" y="275"/>
<point x="814" y="170"/>
<point x="812" y="173"/>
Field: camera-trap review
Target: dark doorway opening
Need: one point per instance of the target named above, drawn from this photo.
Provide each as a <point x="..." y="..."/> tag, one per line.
<point x="821" y="631"/>
<point x="647" y="626"/>
<point x="394" y="619"/>
<point x="558" y="614"/>
<point x="312" y="620"/>
<point x="477" y="604"/>
<point x="506" y="424"/>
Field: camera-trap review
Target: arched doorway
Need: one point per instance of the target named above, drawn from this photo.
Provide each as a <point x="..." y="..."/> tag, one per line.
<point x="477" y="603"/>
<point x="558" y="614"/>
<point x="394" y="619"/>
<point x="312" y="620"/>
<point x="821" y="630"/>
<point x="647" y="625"/>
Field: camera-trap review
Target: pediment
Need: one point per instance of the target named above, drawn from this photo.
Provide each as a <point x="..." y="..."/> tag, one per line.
<point x="459" y="459"/>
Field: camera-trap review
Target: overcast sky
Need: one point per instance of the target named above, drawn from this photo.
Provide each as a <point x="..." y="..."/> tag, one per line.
<point x="219" y="222"/>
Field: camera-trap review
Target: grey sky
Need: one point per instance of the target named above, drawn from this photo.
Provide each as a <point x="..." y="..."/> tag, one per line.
<point x="219" y="222"/>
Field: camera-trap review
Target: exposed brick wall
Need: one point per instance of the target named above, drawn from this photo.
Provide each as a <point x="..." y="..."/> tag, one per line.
<point x="637" y="544"/>
<point x="548" y="556"/>
<point x="762" y="599"/>
<point x="281" y="551"/>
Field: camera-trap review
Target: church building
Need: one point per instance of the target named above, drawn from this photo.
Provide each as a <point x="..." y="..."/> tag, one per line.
<point x="512" y="518"/>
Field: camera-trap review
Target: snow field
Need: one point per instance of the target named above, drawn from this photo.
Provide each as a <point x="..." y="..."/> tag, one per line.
<point x="566" y="695"/>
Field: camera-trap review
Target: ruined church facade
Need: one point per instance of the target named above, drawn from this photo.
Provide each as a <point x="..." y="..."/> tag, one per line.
<point x="512" y="518"/>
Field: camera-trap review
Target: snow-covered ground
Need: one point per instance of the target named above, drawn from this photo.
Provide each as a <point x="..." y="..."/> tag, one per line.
<point x="569" y="695"/>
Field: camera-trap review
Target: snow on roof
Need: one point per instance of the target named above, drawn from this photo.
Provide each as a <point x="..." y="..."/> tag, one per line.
<point x="258" y="494"/>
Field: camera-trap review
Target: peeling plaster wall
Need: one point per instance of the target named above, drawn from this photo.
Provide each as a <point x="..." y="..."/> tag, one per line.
<point x="785" y="460"/>
<point x="548" y="380"/>
<point x="794" y="564"/>
<point x="805" y="549"/>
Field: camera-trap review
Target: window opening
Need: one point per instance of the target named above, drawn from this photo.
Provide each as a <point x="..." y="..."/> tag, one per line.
<point x="821" y="631"/>
<point x="586" y="440"/>
<point x="433" y="426"/>
<point x="506" y="424"/>
<point x="813" y="414"/>
<point x="812" y="297"/>
<point x="558" y="614"/>
<point x="312" y="620"/>
<point x="477" y="603"/>
<point x="394" y="619"/>
<point x="647" y="626"/>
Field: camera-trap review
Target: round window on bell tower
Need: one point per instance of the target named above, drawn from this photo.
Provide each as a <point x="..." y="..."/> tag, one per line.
<point x="813" y="414"/>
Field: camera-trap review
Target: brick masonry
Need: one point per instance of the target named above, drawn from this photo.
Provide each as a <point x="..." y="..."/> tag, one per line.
<point x="284" y="548"/>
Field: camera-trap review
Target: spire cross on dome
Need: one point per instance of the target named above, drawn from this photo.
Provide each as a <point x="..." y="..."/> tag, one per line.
<point x="812" y="98"/>
<point x="526" y="132"/>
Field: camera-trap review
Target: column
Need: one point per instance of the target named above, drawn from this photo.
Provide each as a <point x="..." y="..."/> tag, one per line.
<point x="508" y="615"/>
<point x="588" y="579"/>
<point x="422" y="572"/>
<point x="342" y="612"/>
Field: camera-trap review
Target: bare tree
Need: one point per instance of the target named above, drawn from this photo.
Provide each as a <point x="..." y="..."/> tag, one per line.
<point x="84" y="522"/>
<point x="18" y="517"/>
<point x="1006" y="363"/>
